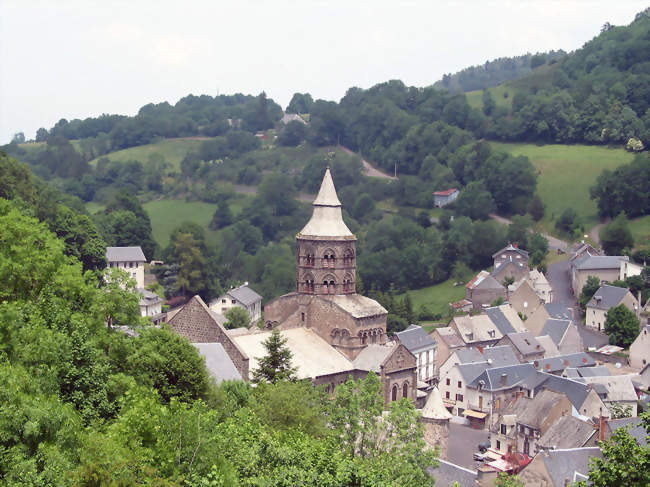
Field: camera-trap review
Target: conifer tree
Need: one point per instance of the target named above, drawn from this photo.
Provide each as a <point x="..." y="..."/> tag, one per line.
<point x="276" y="364"/>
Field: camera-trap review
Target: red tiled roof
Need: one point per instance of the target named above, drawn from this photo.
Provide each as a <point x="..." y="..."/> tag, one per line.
<point x="446" y="192"/>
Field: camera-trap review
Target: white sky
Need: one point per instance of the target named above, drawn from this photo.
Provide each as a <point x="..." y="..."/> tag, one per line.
<point x="75" y="59"/>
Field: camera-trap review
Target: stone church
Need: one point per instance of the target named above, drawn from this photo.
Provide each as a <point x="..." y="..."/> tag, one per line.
<point x="325" y="298"/>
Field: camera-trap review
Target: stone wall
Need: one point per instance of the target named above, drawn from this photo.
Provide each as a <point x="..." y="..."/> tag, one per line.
<point x="195" y="322"/>
<point x="319" y="269"/>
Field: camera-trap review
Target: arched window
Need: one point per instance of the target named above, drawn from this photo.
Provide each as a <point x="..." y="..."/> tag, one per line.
<point x="394" y="394"/>
<point x="348" y="285"/>
<point x="329" y="258"/>
<point x="308" y="283"/>
<point x="329" y="284"/>
<point x="405" y="389"/>
<point x="348" y="257"/>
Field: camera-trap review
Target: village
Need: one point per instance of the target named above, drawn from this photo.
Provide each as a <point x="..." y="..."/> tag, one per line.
<point x="518" y="382"/>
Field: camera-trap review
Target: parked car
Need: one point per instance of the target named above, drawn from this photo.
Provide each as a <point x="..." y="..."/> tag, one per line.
<point x="483" y="447"/>
<point x="480" y="457"/>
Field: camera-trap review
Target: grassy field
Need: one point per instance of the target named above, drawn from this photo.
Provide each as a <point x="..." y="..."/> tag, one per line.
<point x="167" y="214"/>
<point x="566" y="174"/>
<point x="173" y="150"/>
<point x="475" y="98"/>
<point x="641" y="231"/>
<point x="437" y="298"/>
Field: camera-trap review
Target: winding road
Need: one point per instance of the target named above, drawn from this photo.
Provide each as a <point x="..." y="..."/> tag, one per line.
<point x="553" y="243"/>
<point x="368" y="169"/>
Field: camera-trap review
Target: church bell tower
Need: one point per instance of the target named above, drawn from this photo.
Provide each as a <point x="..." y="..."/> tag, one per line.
<point x="326" y="248"/>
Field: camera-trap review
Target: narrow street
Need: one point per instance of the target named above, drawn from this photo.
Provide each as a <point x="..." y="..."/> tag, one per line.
<point x="463" y="443"/>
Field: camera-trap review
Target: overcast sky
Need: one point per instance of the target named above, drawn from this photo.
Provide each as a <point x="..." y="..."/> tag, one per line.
<point x="75" y="59"/>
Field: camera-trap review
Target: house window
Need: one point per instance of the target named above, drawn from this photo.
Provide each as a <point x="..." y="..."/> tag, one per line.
<point x="503" y="429"/>
<point x="448" y="381"/>
<point x="234" y="301"/>
<point x="223" y="301"/>
<point x="460" y="384"/>
<point x="447" y="395"/>
<point x="459" y="397"/>
<point x="302" y="316"/>
<point x="394" y="393"/>
<point x="405" y="389"/>
<point x="498" y="445"/>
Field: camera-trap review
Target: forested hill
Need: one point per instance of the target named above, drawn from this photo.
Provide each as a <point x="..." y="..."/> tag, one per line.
<point x="495" y="72"/>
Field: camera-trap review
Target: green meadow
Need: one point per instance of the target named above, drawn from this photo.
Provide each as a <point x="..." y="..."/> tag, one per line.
<point x="173" y="150"/>
<point x="566" y="172"/>
<point x="437" y="298"/>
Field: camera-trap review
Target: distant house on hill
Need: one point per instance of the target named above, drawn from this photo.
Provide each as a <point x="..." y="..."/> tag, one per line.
<point x="443" y="198"/>
<point x="603" y="300"/>
<point x="605" y="267"/>
<point x="242" y="297"/>
<point x="292" y="117"/>
<point x="129" y="259"/>
<point x="511" y="252"/>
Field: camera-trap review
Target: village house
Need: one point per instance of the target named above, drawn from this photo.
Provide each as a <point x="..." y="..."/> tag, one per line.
<point x="603" y="300"/>
<point x="629" y="269"/>
<point x="615" y="389"/>
<point x="536" y="320"/>
<point x="443" y="198"/>
<point x="523" y="422"/>
<point x="217" y="362"/>
<point x="447" y="341"/>
<point x="476" y="331"/>
<point x="580" y="249"/>
<point x="605" y="267"/>
<point x="559" y="468"/>
<point x="462" y="367"/>
<point x="420" y="344"/>
<point x="129" y="259"/>
<point x="510" y="253"/>
<point x="506" y="319"/>
<point x="483" y="290"/>
<point x="541" y="285"/>
<point x="550" y="348"/>
<point x="640" y="349"/>
<point x="242" y="297"/>
<point x="568" y="432"/>
<point x="515" y="270"/>
<point x="634" y="426"/>
<point x="292" y="117"/>
<point x="524" y="299"/>
<point x="526" y="347"/>
<point x="564" y="334"/>
<point x="150" y="305"/>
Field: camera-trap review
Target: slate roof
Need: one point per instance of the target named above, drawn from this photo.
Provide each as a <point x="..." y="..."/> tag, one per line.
<point x="511" y="247"/>
<point x="567" y="432"/>
<point x="610" y="296"/>
<point x="447" y="473"/>
<point x="371" y="357"/>
<point x="597" y="371"/>
<point x="550" y="347"/>
<point x="244" y="295"/>
<point x="559" y="311"/>
<point x="504" y="264"/>
<point x="218" y="362"/>
<point x="148" y="298"/>
<point x="492" y="378"/>
<point x="633" y="425"/>
<point x="415" y="338"/>
<point x="561" y="362"/>
<point x="125" y="254"/>
<point x="617" y="387"/>
<point x="593" y="262"/>
<point x="562" y="464"/>
<point x="450" y="337"/>
<point x="356" y="305"/>
<point x="477" y="328"/>
<point x="469" y="355"/>
<point x="500" y="320"/>
<point x="500" y="356"/>
<point x="533" y="412"/>
<point x="472" y="371"/>
<point x="555" y="329"/>
<point x="526" y="343"/>
<point x="576" y="391"/>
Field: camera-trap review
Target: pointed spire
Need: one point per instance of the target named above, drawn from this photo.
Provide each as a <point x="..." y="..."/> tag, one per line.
<point x="327" y="193"/>
<point x="327" y="219"/>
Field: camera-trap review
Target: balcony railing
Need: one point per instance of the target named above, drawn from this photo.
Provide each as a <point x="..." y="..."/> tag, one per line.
<point x="475" y="407"/>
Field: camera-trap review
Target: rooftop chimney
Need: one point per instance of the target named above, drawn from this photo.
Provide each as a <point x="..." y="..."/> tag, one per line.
<point x="504" y="379"/>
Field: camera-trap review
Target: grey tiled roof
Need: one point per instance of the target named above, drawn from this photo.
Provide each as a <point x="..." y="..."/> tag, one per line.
<point x="575" y="391"/>
<point x="610" y="296"/>
<point x="148" y="298"/>
<point x="555" y="329"/>
<point x="415" y="338"/>
<point x="634" y="426"/>
<point x="567" y="432"/>
<point x="494" y="380"/>
<point x="562" y="464"/>
<point x="472" y="371"/>
<point x="447" y="473"/>
<point x="561" y="362"/>
<point x="500" y="356"/>
<point x="125" y="254"/>
<point x="504" y="264"/>
<point x="218" y="362"/>
<point x="469" y="355"/>
<point x="511" y="248"/>
<point x="559" y="311"/>
<point x="592" y="262"/>
<point x="500" y="320"/>
<point x="245" y="295"/>
<point x="526" y="343"/>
